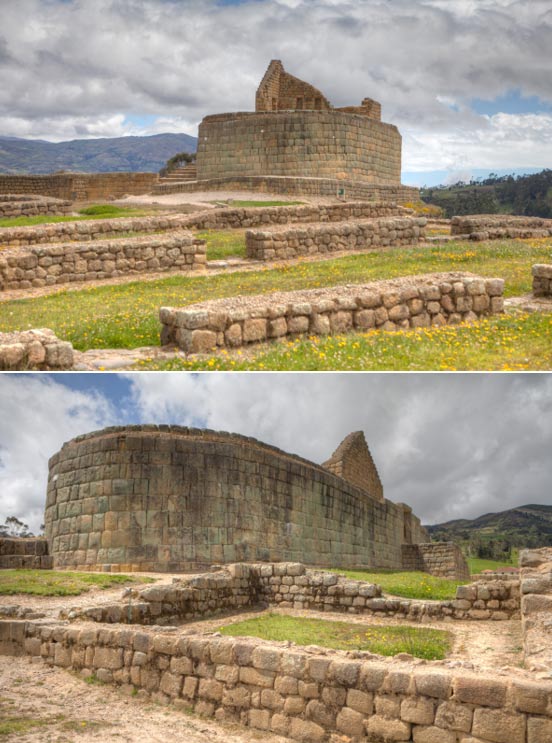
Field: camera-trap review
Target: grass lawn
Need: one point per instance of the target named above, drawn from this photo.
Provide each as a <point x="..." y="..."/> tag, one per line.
<point x="505" y="343"/>
<point x="408" y="584"/>
<point x="224" y="244"/>
<point x="126" y="316"/>
<point x="98" y="211"/>
<point x="476" y="564"/>
<point x="60" y="583"/>
<point x="425" y="643"/>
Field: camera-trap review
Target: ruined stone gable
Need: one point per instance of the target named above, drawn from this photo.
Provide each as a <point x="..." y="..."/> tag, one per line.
<point x="353" y="462"/>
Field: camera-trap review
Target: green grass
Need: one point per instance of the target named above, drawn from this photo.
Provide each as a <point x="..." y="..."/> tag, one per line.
<point x="477" y="564"/>
<point x="425" y="643"/>
<point x="20" y="725"/>
<point x="237" y="203"/>
<point x="224" y="244"/>
<point x="60" y="583"/>
<point x="126" y="315"/>
<point x="501" y="343"/>
<point x="408" y="584"/>
<point x="99" y="211"/>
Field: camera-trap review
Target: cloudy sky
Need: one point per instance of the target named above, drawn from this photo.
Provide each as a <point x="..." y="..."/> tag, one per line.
<point x="467" y="81"/>
<point x="451" y="446"/>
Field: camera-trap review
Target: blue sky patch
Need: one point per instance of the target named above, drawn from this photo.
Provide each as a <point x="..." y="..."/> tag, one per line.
<point x="512" y="102"/>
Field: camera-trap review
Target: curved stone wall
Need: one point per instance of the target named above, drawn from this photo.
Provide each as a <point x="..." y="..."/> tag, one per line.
<point x="320" y="144"/>
<point x="167" y="498"/>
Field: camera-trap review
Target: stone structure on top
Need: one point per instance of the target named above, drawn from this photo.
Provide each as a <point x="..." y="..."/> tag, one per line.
<point x="167" y="498"/>
<point x="297" y="142"/>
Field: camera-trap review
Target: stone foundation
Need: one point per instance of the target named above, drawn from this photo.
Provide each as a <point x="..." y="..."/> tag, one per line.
<point x="34" y="350"/>
<point x="292" y="586"/>
<point x="15" y="205"/>
<point x="495" y="226"/>
<point x="284" y="243"/>
<point x="312" y="695"/>
<point x="542" y="280"/>
<point x="23" y="268"/>
<point x="224" y="218"/>
<point x="24" y="552"/>
<point x="442" y="559"/>
<point x="411" y="302"/>
<point x="297" y="186"/>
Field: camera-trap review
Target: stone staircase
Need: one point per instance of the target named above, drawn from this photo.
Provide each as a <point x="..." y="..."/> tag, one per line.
<point x="187" y="173"/>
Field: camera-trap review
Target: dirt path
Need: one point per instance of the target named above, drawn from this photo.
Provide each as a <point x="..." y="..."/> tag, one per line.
<point x="66" y="709"/>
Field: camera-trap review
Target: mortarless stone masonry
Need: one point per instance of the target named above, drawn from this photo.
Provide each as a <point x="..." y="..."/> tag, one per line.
<point x="291" y="242"/>
<point x="411" y="302"/>
<point x="63" y="263"/>
<point x="495" y="226"/>
<point x="542" y="280"/>
<point x="167" y="498"/>
<point x="17" y="205"/>
<point x="34" y="349"/>
<point x="225" y="218"/>
<point x="29" y="553"/>
<point x="79" y="186"/>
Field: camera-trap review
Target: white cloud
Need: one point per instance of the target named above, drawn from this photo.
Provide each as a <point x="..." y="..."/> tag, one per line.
<point x="37" y="415"/>
<point x="451" y="446"/>
<point x="66" y="65"/>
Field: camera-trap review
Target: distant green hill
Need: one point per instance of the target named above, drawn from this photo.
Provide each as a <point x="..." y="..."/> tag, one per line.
<point x="525" y="526"/>
<point x="121" y="154"/>
<point x="528" y="195"/>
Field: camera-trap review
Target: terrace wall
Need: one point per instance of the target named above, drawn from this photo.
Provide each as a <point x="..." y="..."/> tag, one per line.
<point x="297" y="186"/>
<point x="443" y="559"/>
<point x="413" y="302"/>
<point x="496" y="226"/>
<point x="13" y="205"/>
<point x="79" y="186"/>
<point x="283" y="243"/>
<point x="63" y="263"/>
<point x="24" y="552"/>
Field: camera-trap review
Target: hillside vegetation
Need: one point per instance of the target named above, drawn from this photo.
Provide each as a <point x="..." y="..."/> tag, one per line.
<point x="495" y="533"/>
<point x="120" y="154"/>
<point x="526" y="195"/>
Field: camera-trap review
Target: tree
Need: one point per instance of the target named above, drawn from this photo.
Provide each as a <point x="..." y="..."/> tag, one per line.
<point x="13" y="527"/>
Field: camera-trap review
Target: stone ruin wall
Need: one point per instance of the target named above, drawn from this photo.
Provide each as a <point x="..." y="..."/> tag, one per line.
<point x="15" y="205"/>
<point x="353" y="462"/>
<point x="24" y="552"/>
<point x="39" y="348"/>
<point x="166" y="498"/>
<point x="319" y="144"/>
<point x="443" y="559"/>
<point x="417" y="302"/>
<point x="542" y="279"/>
<point x="79" y="186"/>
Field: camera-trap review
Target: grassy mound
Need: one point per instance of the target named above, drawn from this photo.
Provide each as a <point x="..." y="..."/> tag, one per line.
<point x="60" y="583"/>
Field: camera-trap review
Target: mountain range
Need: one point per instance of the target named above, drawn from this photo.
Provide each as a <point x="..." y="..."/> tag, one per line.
<point x="524" y="526"/>
<point x="119" y="154"/>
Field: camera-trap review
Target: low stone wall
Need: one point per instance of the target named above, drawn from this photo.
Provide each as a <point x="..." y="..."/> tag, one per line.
<point x="15" y="205"/>
<point x="442" y="559"/>
<point x="297" y="186"/>
<point x="496" y="226"/>
<point x="292" y="586"/>
<point x="411" y="302"/>
<point x="22" y="268"/>
<point x="536" y="608"/>
<point x="34" y="349"/>
<point x="542" y="280"/>
<point x="282" y="243"/>
<point x="79" y="186"/>
<point x="223" y="218"/>
<point x="312" y="695"/>
<point x="24" y="552"/>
